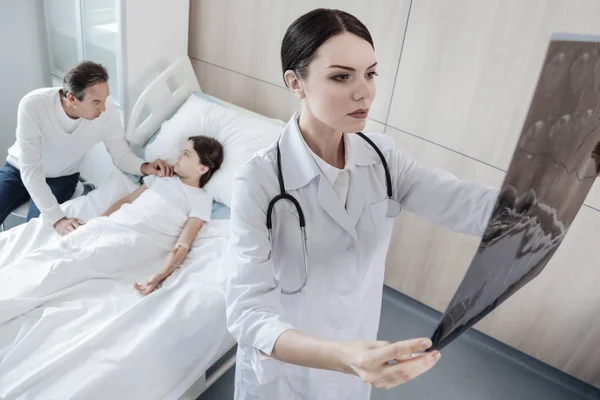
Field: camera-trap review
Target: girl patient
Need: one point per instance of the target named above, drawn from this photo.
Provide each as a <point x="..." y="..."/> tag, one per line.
<point x="147" y="233"/>
<point x="200" y="158"/>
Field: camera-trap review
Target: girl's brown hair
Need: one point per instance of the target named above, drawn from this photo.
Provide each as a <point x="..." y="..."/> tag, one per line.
<point x="210" y="152"/>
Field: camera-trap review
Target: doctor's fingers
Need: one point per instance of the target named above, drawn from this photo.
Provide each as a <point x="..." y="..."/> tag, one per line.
<point x="400" y="351"/>
<point x="395" y="374"/>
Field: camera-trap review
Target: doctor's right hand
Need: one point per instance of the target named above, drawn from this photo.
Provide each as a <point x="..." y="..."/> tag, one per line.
<point x="66" y="225"/>
<point x="386" y="365"/>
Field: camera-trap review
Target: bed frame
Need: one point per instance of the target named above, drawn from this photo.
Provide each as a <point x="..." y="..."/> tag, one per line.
<point x="160" y="100"/>
<point x="157" y="103"/>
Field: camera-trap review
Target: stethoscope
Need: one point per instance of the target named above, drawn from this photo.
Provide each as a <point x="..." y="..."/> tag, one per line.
<point x="393" y="209"/>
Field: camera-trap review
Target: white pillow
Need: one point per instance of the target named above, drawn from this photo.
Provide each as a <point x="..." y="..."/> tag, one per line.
<point x="241" y="135"/>
<point x="189" y="120"/>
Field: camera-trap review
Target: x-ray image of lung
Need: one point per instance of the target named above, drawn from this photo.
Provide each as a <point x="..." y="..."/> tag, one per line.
<point x="555" y="163"/>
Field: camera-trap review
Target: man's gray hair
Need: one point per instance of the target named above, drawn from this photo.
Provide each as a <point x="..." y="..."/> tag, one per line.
<point x="82" y="76"/>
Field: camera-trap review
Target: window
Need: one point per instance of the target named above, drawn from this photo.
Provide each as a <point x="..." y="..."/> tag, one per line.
<point x="86" y="30"/>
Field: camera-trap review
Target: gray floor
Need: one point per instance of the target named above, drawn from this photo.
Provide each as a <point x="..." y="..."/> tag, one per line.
<point x="474" y="367"/>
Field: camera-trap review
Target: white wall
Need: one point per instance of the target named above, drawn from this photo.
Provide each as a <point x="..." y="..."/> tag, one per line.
<point x="156" y="34"/>
<point x="24" y="64"/>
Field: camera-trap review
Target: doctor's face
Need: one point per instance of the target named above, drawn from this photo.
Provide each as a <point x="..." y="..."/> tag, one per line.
<point x="339" y="86"/>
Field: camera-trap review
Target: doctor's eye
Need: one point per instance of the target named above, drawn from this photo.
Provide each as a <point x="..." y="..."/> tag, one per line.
<point x="372" y="74"/>
<point x="341" y="77"/>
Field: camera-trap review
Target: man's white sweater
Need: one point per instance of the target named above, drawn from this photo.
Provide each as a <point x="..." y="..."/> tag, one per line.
<point x="50" y="144"/>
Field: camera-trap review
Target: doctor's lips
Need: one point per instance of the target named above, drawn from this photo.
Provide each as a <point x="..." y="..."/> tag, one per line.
<point x="361" y="113"/>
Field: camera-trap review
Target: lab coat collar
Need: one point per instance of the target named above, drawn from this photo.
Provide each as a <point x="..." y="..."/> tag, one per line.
<point x="299" y="166"/>
<point x="364" y="154"/>
<point x="331" y="172"/>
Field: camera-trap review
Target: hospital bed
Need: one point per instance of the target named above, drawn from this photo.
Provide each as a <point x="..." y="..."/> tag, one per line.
<point x="155" y="105"/>
<point x="203" y="315"/>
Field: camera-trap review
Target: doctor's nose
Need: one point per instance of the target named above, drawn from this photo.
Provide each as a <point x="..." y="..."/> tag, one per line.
<point x="362" y="91"/>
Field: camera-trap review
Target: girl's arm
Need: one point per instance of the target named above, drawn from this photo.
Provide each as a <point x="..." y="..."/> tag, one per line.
<point x="175" y="257"/>
<point x="125" y="200"/>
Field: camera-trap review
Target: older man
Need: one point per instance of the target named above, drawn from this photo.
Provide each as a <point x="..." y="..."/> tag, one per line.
<point x="55" y="129"/>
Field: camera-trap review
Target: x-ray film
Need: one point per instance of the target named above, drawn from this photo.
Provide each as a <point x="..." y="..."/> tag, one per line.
<point x="554" y="165"/>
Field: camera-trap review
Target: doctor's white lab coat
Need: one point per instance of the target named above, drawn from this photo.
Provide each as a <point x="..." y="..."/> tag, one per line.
<point x="346" y="247"/>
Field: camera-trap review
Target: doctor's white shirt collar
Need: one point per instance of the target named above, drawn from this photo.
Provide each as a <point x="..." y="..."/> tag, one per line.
<point x="299" y="166"/>
<point x="339" y="179"/>
<point x="331" y="172"/>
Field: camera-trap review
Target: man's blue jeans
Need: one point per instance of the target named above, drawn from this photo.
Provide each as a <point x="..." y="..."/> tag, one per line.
<point x="13" y="193"/>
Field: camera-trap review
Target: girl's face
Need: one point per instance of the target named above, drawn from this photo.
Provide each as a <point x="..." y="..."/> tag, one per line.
<point x="339" y="86"/>
<point x="188" y="163"/>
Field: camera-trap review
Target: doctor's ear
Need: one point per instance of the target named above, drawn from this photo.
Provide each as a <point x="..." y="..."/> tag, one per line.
<point x="293" y="83"/>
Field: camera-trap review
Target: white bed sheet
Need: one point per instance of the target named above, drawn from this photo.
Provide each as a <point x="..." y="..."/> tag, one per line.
<point x="115" y="343"/>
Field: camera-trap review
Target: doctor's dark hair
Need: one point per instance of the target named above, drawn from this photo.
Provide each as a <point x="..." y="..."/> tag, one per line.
<point x="210" y="152"/>
<point x="306" y="34"/>
<point x="82" y="76"/>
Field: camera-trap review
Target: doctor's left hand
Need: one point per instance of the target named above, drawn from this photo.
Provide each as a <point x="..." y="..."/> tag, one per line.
<point x="151" y="284"/>
<point x="158" y="167"/>
<point x="386" y="365"/>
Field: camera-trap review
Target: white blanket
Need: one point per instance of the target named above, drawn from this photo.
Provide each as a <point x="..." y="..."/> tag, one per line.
<point x="73" y="327"/>
<point x="25" y="238"/>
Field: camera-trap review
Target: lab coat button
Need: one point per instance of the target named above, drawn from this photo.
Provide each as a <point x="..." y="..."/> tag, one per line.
<point x="350" y="247"/>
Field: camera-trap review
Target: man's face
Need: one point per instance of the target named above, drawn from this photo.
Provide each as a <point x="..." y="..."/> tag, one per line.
<point x="93" y="103"/>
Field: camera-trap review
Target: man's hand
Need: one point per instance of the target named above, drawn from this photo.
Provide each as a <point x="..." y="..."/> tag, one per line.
<point x="65" y="225"/>
<point x="158" y="167"/>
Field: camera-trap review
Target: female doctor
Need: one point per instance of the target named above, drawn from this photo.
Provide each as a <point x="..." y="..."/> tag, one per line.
<point x="308" y="331"/>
